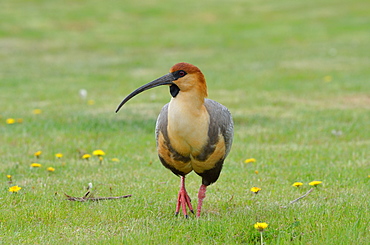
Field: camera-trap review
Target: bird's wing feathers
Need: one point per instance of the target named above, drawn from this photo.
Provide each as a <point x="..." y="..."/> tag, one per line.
<point x="220" y="122"/>
<point x="162" y="121"/>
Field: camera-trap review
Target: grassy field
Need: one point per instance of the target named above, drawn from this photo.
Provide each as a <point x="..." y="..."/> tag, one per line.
<point x="294" y="74"/>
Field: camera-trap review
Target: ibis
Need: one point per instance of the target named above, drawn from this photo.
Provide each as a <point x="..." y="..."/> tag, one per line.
<point x="193" y="133"/>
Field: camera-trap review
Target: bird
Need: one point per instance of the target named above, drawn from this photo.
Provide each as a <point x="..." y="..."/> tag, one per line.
<point x="193" y="133"/>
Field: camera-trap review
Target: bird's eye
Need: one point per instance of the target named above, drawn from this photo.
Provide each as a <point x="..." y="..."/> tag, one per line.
<point x="178" y="74"/>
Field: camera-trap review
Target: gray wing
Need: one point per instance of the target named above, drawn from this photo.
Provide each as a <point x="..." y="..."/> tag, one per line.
<point x="220" y="121"/>
<point x="161" y="125"/>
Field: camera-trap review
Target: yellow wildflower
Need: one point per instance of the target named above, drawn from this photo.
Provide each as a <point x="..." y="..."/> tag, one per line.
<point x="37" y="111"/>
<point x="98" y="153"/>
<point x="9" y="176"/>
<point x="37" y="153"/>
<point x="115" y="159"/>
<point x="328" y="78"/>
<point x="91" y="102"/>
<point x="10" y="121"/>
<point x="51" y="169"/>
<point x="250" y="160"/>
<point x="255" y="189"/>
<point x="14" y="188"/>
<point x="260" y="226"/>
<point x="86" y="156"/>
<point x="35" y="165"/>
<point x="297" y="184"/>
<point x="19" y="120"/>
<point x="256" y="171"/>
<point x="315" y="183"/>
<point x="59" y="155"/>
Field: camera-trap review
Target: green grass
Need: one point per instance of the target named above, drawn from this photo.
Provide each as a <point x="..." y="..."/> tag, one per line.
<point x="290" y="72"/>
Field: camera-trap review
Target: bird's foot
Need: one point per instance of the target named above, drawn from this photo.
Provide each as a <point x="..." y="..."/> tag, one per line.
<point x="183" y="200"/>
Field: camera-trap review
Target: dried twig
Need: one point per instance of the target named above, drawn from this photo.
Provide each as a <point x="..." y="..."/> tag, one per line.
<point x="232" y="197"/>
<point x="299" y="198"/>
<point x="87" y="198"/>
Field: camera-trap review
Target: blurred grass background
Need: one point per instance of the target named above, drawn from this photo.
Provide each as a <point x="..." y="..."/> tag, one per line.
<point x="295" y="76"/>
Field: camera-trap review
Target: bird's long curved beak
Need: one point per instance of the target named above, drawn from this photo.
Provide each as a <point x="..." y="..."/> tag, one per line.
<point x="164" y="80"/>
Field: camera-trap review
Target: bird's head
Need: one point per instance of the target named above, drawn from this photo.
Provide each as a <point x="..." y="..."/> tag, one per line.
<point x="183" y="78"/>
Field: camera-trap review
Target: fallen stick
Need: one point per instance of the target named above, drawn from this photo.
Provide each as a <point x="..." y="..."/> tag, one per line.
<point x="299" y="198"/>
<point x="86" y="198"/>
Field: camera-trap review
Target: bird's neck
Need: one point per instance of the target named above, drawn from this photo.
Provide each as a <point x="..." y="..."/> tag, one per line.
<point x="187" y="105"/>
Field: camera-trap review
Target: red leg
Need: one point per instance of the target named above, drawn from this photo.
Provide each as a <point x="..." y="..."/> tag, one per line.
<point x="201" y="196"/>
<point x="183" y="199"/>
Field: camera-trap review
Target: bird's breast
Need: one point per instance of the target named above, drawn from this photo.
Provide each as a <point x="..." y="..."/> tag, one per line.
<point x="187" y="129"/>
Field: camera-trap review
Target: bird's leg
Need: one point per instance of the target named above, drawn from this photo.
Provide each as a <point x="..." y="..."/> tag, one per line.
<point x="183" y="199"/>
<point x="201" y="196"/>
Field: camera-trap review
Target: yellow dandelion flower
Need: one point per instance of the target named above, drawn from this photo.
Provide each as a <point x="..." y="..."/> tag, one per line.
<point x="37" y="111"/>
<point x="260" y="226"/>
<point x="50" y="169"/>
<point x="10" y="121"/>
<point x="101" y="158"/>
<point x="59" y="155"/>
<point x="297" y="184"/>
<point x="35" y="165"/>
<point x="115" y="159"/>
<point x="368" y="176"/>
<point x="315" y="183"/>
<point x="98" y="153"/>
<point x="14" y="188"/>
<point x="37" y="153"/>
<point x="250" y="160"/>
<point x="256" y="171"/>
<point x="86" y="156"/>
<point x="8" y="176"/>
<point x="328" y="79"/>
<point x="255" y="189"/>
